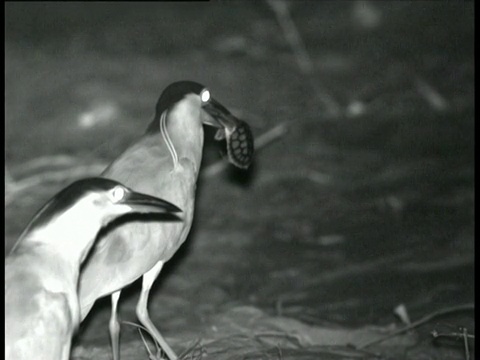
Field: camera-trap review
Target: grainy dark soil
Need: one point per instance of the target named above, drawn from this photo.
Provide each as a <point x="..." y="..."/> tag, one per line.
<point x="339" y="221"/>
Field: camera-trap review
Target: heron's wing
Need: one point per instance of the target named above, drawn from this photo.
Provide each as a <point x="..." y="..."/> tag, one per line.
<point x="149" y="154"/>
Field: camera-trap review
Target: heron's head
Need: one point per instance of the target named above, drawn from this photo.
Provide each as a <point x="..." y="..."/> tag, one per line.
<point x="195" y="103"/>
<point x="99" y="200"/>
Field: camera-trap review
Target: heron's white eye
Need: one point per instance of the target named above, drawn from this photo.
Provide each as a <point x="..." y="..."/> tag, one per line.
<point x="118" y="194"/>
<point x="205" y="95"/>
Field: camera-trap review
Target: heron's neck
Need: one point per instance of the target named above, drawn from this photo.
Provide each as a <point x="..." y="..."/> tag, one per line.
<point x="186" y="137"/>
<point x="71" y="235"/>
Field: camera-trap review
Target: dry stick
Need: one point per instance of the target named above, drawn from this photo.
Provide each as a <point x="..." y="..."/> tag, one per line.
<point x="159" y="349"/>
<point x="190" y="349"/>
<point x="431" y="95"/>
<point x="465" y="335"/>
<point x="37" y="179"/>
<point x="260" y="142"/>
<point x="10" y="183"/>
<point x="292" y="35"/>
<point x="271" y="135"/>
<point x="51" y="161"/>
<point x="417" y="323"/>
<point x="456" y="335"/>
<point x="465" y="342"/>
<point x="12" y="187"/>
<point x="140" y="328"/>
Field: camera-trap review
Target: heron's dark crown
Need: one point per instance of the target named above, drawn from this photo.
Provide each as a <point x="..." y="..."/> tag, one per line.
<point x="172" y="94"/>
<point x="67" y="198"/>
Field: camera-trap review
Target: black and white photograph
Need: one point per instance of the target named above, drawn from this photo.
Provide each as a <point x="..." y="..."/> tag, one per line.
<point x="240" y="180"/>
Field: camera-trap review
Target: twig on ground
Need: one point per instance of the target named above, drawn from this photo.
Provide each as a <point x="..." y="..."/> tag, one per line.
<point x="51" y="161"/>
<point x="292" y="338"/>
<point x="158" y="355"/>
<point x="10" y="183"/>
<point x="151" y="356"/>
<point x="52" y="176"/>
<point x="191" y="348"/>
<point x="457" y="335"/>
<point x="260" y="142"/>
<point x="465" y="343"/>
<point x="417" y="323"/>
<point x="296" y="43"/>
<point x="431" y="95"/>
<point x="270" y="136"/>
<point x="464" y="335"/>
<point x="292" y="35"/>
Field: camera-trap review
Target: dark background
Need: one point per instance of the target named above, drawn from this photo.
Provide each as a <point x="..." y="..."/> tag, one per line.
<point x="367" y="202"/>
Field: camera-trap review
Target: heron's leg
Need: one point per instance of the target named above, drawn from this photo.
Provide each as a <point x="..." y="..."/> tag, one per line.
<point x="66" y="351"/>
<point x="114" y="327"/>
<point x="142" y="311"/>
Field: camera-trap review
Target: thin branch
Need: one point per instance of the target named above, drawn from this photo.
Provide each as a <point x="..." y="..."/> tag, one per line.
<point x="52" y="176"/>
<point x="260" y="142"/>
<point x="297" y="45"/>
<point x="431" y="95"/>
<point x="417" y="323"/>
<point x="51" y="161"/>
<point x="292" y="35"/>
<point x="436" y="334"/>
<point x="465" y="342"/>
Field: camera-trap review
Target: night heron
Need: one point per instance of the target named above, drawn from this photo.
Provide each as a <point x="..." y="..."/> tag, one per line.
<point x="41" y="273"/>
<point x="164" y="162"/>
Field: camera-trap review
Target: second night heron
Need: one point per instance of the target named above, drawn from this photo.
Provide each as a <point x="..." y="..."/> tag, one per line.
<point x="41" y="272"/>
<point x="164" y="162"/>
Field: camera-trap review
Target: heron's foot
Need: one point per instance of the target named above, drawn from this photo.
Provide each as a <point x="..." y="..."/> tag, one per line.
<point x="159" y="353"/>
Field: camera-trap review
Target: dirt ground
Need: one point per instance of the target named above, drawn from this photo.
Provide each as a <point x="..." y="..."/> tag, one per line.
<point x="365" y="203"/>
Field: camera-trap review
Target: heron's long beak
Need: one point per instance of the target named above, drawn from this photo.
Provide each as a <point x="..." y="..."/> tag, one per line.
<point x="219" y="117"/>
<point x="237" y="133"/>
<point x="147" y="203"/>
